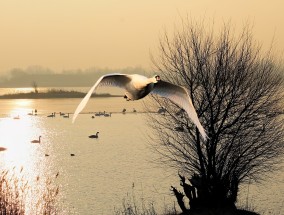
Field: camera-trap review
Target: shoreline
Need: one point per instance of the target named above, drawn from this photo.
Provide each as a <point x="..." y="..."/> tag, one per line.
<point x="51" y="94"/>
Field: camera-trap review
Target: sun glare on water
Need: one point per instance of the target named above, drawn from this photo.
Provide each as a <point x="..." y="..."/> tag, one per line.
<point x="20" y="157"/>
<point x="20" y="108"/>
<point x="24" y="90"/>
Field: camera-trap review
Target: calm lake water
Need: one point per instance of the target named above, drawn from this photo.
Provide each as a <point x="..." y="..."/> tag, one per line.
<point x="104" y="171"/>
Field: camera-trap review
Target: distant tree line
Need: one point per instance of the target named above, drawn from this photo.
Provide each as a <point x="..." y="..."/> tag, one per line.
<point x="69" y="78"/>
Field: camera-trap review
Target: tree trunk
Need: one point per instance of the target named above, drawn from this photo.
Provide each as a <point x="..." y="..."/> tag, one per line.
<point x="209" y="194"/>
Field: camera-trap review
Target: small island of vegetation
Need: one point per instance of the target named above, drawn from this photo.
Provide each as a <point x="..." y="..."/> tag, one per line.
<point x="52" y="93"/>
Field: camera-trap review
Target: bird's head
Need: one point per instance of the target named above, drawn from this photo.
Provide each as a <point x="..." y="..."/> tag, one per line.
<point x="157" y="78"/>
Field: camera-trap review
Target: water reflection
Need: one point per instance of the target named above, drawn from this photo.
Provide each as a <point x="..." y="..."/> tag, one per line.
<point x="23" y="90"/>
<point x="24" y="159"/>
<point x="20" y="107"/>
<point x="104" y="170"/>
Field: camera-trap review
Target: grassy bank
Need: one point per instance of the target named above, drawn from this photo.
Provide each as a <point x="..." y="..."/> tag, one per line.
<point x="15" y="190"/>
<point x="134" y="204"/>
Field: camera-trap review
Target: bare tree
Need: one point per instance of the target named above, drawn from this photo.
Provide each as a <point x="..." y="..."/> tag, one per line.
<point x="34" y="84"/>
<point x="238" y="94"/>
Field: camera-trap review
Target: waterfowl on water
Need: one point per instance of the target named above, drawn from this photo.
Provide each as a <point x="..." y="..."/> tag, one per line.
<point x="17" y="117"/>
<point x="51" y="115"/>
<point x="2" y="149"/>
<point x="98" y="114"/>
<point x="162" y="110"/>
<point x="36" y="141"/>
<point x="139" y="86"/>
<point x="107" y="114"/>
<point x="66" y="116"/>
<point x="94" y="135"/>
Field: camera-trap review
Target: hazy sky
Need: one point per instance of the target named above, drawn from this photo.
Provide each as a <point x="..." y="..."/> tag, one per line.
<point x="72" y="34"/>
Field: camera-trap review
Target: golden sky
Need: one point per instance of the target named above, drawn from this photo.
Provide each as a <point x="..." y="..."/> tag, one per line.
<point x="73" y="34"/>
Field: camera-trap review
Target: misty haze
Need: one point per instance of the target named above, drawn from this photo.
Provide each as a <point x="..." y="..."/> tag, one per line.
<point x="48" y="78"/>
<point x="215" y="64"/>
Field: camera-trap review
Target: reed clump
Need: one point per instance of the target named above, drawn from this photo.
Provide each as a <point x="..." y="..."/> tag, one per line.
<point x="136" y="204"/>
<point x="18" y="196"/>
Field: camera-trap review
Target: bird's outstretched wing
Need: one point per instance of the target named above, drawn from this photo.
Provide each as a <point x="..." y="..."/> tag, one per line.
<point x="114" y="79"/>
<point x="179" y="96"/>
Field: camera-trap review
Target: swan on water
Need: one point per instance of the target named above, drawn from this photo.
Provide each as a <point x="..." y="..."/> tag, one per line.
<point x="66" y="116"/>
<point x="36" y="141"/>
<point x="94" y="135"/>
<point x="2" y="148"/>
<point x="17" y="117"/>
<point x="51" y="115"/>
<point x="107" y="114"/>
<point x="139" y="86"/>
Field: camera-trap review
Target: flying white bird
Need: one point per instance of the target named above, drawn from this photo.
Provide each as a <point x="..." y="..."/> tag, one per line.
<point x="138" y="86"/>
